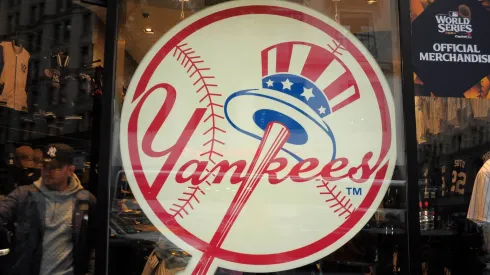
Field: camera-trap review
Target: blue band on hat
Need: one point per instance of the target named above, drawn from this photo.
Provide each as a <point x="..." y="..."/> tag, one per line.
<point x="298" y="134"/>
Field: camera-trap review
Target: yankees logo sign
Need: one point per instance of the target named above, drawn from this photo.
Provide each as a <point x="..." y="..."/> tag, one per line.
<point x="258" y="136"/>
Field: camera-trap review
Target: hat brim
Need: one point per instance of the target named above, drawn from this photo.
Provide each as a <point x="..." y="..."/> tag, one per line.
<point x="249" y="111"/>
<point x="54" y="161"/>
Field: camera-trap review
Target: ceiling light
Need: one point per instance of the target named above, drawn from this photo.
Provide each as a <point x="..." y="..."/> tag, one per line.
<point x="372" y="2"/>
<point x="73" y="117"/>
<point x="149" y="30"/>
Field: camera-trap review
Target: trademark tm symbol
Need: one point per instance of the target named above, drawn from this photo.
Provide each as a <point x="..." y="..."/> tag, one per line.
<point x="354" y="191"/>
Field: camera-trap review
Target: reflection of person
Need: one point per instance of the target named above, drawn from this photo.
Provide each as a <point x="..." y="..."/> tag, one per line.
<point x="25" y="154"/>
<point x="37" y="158"/>
<point x="478" y="211"/>
<point x="54" y="220"/>
<point x="20" y="173"/>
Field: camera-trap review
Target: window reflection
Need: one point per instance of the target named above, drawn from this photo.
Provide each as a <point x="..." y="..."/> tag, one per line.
<point x="48" y="132"/>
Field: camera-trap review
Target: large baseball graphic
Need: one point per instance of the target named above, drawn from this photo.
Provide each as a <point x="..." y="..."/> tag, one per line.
<point x="258" y="136"/>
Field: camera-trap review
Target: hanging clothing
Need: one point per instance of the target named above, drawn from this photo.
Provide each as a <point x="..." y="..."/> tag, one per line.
<point x="85" y="87"/>
<point x="422" y="108"/>
<point x="14" y="66"/>
<point x="479" y="207"/>
<point x="466" y="114"/>
<point x="98" y="81"/>
<point x="57" y="73"/>
<point x="437" y="115"/>
<point x="480" y="107"/>
<point x="453" y="109"/>
<point x="59" y="64"/>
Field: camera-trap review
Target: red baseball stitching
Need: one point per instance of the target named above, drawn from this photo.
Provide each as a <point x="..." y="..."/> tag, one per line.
<point x="340" y="205"/>
<point x="192" y="62"/>
<point x="338" y="47"/>
<point x="187" y="202"/>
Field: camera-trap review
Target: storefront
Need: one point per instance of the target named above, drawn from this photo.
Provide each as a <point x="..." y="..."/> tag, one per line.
<point x="231" y="137"/>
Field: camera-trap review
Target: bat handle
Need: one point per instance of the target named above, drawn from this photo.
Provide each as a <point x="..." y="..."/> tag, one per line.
<point x="275" y="136"/>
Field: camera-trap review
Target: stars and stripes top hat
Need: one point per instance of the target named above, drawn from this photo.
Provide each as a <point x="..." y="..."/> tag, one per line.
<point x="308" y="71"/>
<point x="302" y="83"/>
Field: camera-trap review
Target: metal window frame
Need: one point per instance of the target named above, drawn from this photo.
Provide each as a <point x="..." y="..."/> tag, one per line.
<point x="409" y="125"/>
<point x="107" y="154"/>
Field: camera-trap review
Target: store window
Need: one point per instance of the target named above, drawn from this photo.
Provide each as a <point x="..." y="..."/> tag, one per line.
<point x="49" y="101"/>
<point x="140" y="240"/>
<point x="33" y="14"/>
<point x="452" y="131"/>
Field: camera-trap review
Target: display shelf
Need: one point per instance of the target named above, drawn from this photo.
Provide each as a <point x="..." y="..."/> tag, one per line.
<point x="452" y="201"/>
<point x="438" y="233"/>
<point x="384" y="231"/>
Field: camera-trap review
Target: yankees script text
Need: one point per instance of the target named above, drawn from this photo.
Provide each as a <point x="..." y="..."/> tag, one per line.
<point x="201" y="170"/>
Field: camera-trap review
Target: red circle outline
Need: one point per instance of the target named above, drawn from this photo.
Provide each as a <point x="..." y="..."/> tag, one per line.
<point x="262" y="259"/>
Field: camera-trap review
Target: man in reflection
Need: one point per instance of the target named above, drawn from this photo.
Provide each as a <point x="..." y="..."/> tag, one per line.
<point x="53" y="219"/>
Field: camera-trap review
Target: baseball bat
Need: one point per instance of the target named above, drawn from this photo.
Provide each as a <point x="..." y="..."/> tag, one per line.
<point x="275" y="135"/>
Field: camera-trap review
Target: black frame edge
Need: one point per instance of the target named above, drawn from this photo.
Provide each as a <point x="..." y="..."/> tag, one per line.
<point x="100" y="3"/>
<point x="106" y="137"/>
<point x="408" y="95"/>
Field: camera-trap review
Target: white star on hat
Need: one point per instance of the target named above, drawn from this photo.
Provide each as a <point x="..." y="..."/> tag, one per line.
<point x="322" y="110"/>
<point x="270" y="83"/>
<point x="307" y="93"/>
<point x="287" y="84"/>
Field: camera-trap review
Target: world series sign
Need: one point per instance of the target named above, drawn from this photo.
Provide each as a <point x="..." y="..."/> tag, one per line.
<point x="258" y="136"/>
<point x="451" y="48"/>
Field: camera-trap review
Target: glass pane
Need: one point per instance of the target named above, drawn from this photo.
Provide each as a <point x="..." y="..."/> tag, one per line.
<point x="453" y="144"/>
<point x="140" y="242"/>
<point x="50" y="61"/>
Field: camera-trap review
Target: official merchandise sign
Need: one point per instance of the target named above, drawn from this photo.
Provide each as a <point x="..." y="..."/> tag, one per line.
<point x="258" y="137"/>
<point x="452" y="48"/>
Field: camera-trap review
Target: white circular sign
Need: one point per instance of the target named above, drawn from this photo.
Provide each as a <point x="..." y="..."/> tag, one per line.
<point x="258" y="136"/>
